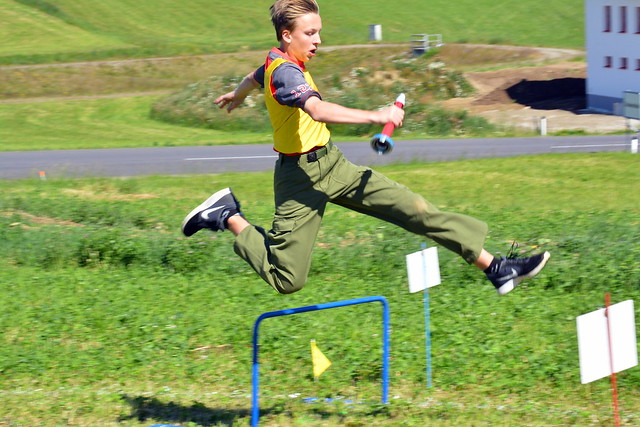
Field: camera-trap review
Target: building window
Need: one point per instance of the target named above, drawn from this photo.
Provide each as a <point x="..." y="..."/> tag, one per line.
<point x="608" y="62"/>
<point x="637" y="20"/>
<point x="624" y="63"/>
<point x="623" y="19"/>
<point x="637" y="64"/>
<point x="607" y="19"/>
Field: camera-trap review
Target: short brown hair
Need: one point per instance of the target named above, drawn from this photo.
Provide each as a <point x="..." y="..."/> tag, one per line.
<point x="285" y="12"/>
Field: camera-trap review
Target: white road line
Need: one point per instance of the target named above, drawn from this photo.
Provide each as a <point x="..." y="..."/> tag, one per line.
<point x="230" y="158"/>
<point x="589" y="146"/>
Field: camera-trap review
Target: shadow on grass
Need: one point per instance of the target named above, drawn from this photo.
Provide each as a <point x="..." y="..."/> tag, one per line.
<point x="150" y="408"/>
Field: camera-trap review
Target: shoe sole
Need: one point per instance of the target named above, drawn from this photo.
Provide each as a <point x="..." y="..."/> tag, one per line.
<point x="211" y="200"/>
<point x="512" y="284"/>
<point x="532" y="273"/>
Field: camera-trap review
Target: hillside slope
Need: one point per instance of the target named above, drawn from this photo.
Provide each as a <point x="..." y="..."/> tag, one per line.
<point x="62" y="30"/>
<point x="29" y="31"/>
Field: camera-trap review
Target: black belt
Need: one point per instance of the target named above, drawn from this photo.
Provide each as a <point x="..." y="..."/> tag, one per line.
<point x="312" y="156"/>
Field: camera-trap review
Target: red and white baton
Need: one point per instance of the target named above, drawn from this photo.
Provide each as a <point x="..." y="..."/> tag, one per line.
<point x="382" y="142"/>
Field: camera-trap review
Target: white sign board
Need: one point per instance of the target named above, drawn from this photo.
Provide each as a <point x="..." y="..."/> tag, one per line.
<point x="423" y="269"/>
<point x="593" y="341"/>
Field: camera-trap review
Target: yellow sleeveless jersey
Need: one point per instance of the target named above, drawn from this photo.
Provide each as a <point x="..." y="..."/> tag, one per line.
<point x="294" y="131"/>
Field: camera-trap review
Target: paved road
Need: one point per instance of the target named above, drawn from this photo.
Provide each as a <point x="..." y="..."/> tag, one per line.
<point x="251" y="158"/>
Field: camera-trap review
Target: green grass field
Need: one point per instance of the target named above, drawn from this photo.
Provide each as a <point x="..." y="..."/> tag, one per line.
<point x="110" y="317"/>
<point x="28" y="31"/>
<point x="55" y="30"/>
<point x="102" y="123"/>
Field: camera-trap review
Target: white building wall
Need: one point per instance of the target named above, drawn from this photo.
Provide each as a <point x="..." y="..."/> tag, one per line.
<point x="605" y="85"/>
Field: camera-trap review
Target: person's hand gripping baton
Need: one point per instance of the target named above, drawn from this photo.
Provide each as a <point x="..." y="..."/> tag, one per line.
<point x="382" y="142"/>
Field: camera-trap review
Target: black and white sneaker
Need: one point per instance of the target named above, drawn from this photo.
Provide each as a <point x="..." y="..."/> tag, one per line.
<point x="212" y="213"/>
<point x="507" y="273"/>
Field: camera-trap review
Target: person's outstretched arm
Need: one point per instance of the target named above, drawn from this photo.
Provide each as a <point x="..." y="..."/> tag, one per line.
<point x="328" y="112"/>
<point x="236" y="97"/>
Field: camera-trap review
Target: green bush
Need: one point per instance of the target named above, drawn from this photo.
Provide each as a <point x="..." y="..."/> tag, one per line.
<point x="193" y="106"/>
<point x="360" y="87"/>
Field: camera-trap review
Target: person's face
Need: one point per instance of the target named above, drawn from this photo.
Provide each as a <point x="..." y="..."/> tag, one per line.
<point x="304" y="39"/>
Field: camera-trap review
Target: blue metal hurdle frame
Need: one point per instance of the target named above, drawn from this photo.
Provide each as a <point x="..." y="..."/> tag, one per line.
<point x="255" y="409"/>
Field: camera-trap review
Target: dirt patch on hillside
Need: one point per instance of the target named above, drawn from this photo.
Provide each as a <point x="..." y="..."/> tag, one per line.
<point x="38" y="220"/>
<point x="102" y="195"/>
<point x="520" y="97"/>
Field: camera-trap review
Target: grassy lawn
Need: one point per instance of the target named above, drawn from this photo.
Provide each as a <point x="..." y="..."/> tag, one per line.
<point x="66" y="30"/>
<point x="27" y="31"/>
<point x="110" y="317"/>
<point x="101" y="123"/>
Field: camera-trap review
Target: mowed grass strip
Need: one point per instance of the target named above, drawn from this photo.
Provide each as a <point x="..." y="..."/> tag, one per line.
<point x="108" y="77"/>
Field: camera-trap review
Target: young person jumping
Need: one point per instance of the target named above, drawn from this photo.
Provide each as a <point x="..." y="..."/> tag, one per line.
<point x="311" y="172"/>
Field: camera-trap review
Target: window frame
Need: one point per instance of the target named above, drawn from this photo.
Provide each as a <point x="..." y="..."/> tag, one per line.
<point x="623" y="19"/>
<point x="607" y="19"/>
<point x="608" y="62"/>
<point x="624" y="63"/>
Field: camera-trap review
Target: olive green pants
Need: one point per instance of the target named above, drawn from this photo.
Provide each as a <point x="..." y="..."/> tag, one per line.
<point x="282" y="256"/>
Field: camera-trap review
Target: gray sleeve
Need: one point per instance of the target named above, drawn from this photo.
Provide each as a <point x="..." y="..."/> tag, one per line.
<point x="258" y="75"/>
<point x="290" y="87"/>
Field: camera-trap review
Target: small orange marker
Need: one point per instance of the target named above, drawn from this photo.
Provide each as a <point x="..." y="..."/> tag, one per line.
<point x="43" y="176"/>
